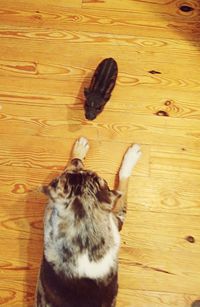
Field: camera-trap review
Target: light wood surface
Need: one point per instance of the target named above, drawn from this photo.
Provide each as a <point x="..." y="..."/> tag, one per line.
<point x="48" y="52"/>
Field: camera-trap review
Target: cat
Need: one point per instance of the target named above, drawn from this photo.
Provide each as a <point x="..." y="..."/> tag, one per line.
<point x="81" y="234"/>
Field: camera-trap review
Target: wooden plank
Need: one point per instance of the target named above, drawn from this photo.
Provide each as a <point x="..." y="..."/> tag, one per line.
<point x="166" y="193"/>
<point x="36" y="152"/>
<point x="124" y="127"/>
<point x="18" y="294"/>
<point x="168" y="283"/>
<point x="139" y="298"/>
<point x="152" y="104"/>
<point x="166" y="232"/>
<point x="60" y="4"/>
<point x="58" y="63"/>
<point x="147" y="271"/>
<point x="92" y="20"/>
<point x="67" y="39"/>
<point x="97" y="39"/>
<point x="176" y="160"/>
<point x="156" y="6"/>
<point x="68" y="80"/>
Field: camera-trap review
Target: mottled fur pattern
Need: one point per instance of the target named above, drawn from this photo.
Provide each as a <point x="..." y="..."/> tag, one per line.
<point x="101" y="87"/>
<point x="81" y="235"/>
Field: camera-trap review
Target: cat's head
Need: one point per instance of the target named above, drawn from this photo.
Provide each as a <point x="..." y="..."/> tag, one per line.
<point x="81" y="188"/>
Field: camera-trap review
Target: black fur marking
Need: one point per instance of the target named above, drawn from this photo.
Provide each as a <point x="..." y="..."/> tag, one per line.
<point x="101" y="87"/>
<point x="65" y="292"/>
<point x="78" y="209"/>
<point x="75" y="179"/>
<point x="39" y="298"/>
<point x="66" y="188"/>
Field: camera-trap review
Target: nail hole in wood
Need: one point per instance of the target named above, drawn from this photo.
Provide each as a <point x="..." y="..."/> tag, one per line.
<point x="190" y="239"/>
<point x="154" y="72"/>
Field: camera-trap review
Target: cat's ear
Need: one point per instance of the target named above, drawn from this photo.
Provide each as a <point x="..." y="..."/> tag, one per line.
<point x="108" y="200"/>
<point x="114" y="196"/>
<point x="44" y="189"/>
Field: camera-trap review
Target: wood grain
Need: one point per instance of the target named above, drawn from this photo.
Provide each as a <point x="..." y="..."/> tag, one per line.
<point x="94" y="20"/>
<point x="154" y="299"/>
<point x="134" y="102"/>
<point x="128" y="128"/>
<point x="49" y="50"/>
<point x="42" y="153"/>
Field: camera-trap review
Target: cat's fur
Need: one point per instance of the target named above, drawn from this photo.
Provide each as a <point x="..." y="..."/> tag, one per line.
<point x="81" y="235"/>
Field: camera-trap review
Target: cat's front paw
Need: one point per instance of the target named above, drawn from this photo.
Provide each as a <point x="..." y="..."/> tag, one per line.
<point x="80" y="149"/>
<point x="130" y="159"/>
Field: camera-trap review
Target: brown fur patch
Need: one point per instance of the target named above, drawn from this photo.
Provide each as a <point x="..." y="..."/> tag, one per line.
<point x="54" y="183"/>
<point x="78" y="208"/>
<point x="103" y="196"/>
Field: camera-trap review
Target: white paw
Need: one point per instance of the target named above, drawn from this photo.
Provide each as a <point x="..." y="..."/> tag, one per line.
<point x="130" y="160"/>
<point x="81" y="148"/>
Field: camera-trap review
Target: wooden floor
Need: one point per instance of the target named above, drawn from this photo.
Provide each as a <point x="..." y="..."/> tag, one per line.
<point x="48" y="52"/>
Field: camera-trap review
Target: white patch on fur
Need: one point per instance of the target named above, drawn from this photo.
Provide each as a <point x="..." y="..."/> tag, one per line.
<point x="130" y="160"/>
<point x="99" y="269"/>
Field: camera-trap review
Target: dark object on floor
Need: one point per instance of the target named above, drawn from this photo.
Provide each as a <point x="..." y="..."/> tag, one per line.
<point x="186" y="8"/>
<point x="154" y="72"/>
<point x="101" y="87"/>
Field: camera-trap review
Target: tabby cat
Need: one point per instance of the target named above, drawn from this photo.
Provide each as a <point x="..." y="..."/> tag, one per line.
<point x="81" y="234"/>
